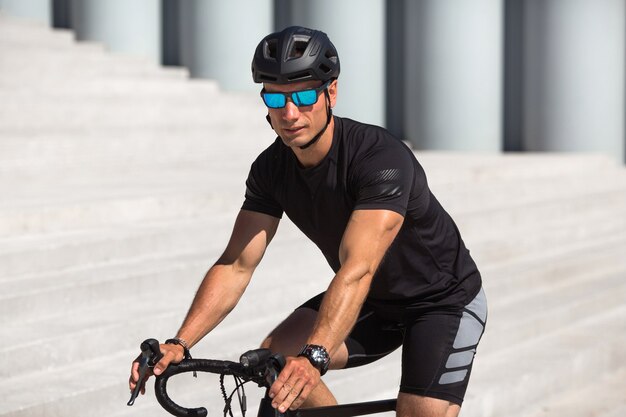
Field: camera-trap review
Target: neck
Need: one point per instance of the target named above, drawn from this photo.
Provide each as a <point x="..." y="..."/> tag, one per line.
<point x="314" y="154"/>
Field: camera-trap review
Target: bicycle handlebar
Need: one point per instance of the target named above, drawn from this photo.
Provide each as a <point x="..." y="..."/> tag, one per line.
<point x="189" y="365"/>
<point x="258" y="365"/>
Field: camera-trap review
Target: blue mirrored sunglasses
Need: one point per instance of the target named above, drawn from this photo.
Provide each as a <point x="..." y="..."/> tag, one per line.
<point x="299" y="98"/>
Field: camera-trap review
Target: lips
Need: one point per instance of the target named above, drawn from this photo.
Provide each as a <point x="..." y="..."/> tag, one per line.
<point x="293" y="129"/>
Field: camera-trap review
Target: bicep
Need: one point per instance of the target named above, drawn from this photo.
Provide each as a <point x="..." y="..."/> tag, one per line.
<point x="251" y="235"/>
<point x="366" y="239"/>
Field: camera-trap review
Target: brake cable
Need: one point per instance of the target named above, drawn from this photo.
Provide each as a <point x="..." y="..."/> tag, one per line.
<point x="241" y="396"/>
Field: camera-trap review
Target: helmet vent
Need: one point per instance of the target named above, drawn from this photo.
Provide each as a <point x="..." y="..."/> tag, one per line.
<point x="305" y="75"/>
<point x="270" y="49"/>
<point x="324" y="68"/>
<point x="298" y="46"/>
<point x="267" y="78"/>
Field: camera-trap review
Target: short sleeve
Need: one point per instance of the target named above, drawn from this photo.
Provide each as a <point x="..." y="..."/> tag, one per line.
<point x="259" y="195"/>
<point x="384" y="178"/>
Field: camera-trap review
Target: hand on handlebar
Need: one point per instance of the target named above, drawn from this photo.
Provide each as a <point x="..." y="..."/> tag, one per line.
<point x="171" y="354"/>
<point x="294" y="384"/>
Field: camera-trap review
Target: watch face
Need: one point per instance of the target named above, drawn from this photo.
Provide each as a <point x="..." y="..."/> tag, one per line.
<point x="318" y="356"/>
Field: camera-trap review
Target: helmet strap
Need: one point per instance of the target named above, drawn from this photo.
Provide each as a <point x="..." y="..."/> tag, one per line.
<point x="329" y="113"/>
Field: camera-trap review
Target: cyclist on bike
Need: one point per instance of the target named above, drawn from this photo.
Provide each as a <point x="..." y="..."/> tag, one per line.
<point x="403" y="276"/>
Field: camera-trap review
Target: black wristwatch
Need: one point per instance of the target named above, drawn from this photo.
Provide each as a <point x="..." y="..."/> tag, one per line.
<point x="317" y="355"/>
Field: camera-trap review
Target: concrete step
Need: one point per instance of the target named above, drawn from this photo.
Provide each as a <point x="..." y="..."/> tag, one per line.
<point x="80" y="61"/>
<point x="480" y="167"/>
<point x="57" y="57"/>
<point x="61" y="216"/>
<point x="551" y="213"/>
<point x="93" y="86"/>
<point x="72" y="113"/>
<point x="538" y="312"/>
<point x="112" y="276"/>
<point x="118" y="326"/>
<point x="27" y="306"/>
<point x="59" y="252"/>
<point x="566" y="358"/>
<point x="618" y="411"/>
<point x="603" y="397"/>
<point x="22" y="32"/>
<point x="500" y="192"/>
<point x="71" y="155"/>
<point x="554" y="267"/>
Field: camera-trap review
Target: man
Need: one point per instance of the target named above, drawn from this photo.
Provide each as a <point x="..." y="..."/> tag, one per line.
<point x="403" y="276"/>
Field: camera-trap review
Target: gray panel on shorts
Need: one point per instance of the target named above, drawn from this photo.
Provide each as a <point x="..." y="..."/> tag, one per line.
<point x="452" y="377"/>
<point x="478" y="306"/>
<point x="456" y="360"/>
<point x="469" y="332"/>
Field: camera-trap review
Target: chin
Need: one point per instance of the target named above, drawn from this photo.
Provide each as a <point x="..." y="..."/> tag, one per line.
<point x="293" y="141"/>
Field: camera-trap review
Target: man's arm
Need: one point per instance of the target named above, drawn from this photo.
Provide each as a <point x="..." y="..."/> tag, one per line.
<point x="226" y="281"/>
<point x="222" y="286"/>
<point x="367" y="237"/>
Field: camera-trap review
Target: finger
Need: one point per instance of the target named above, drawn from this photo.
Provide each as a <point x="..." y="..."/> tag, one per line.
<point x="281" y="394"/>
<point x="277" y="387"/>
<point x="294" y="397"/>
<point x="145" y="380"/>
<point x="134" y="376"/>
<point x="285" y="397"/>
<point x="162" y="364"/>
<point x="133" y="380"/>
<point x="305" y="391"/>
<point x="170" y="354"/>
<point x="134" y="371"/>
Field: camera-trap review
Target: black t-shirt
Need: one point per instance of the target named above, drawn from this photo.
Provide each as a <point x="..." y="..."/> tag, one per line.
<point x="426" y="266"/>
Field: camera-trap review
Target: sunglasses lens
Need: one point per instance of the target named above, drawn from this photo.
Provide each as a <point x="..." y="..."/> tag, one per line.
<point x="304" y="98"/>
<point x="274" y="100"/>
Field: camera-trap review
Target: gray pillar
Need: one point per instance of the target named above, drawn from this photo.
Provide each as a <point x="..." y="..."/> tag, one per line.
<point x="395" y="68"/>
<point x="132" y="27"/>
<point x="62" y="14"/>
<point x="219" y="37"/>
<point x="574" y="66"/>
<point x="357" y="29"/>
<point x="513" y="106"/>
<point x="454" y="74"/>
<point x="36" y="10"/>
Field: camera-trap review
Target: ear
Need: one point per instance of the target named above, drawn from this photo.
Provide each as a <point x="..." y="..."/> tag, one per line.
<point x="332" y="93"/>
<point x="269" y="120"/>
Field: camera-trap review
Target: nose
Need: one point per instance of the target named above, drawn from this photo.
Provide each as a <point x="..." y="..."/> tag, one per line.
<point x="290" y="111"/>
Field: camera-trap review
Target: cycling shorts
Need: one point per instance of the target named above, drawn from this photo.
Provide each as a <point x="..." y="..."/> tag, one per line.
<point x="438" y="347"/>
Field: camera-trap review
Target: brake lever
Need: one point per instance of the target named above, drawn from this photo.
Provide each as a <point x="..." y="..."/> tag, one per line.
<point x="150" y="356"/>
<point x="275" y="364"/>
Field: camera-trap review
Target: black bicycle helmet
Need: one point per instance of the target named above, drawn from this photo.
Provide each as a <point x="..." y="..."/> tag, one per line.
<point x="295" y="54"/>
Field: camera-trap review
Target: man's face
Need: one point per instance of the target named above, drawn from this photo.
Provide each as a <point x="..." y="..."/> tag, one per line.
<point x="298" y="125"/>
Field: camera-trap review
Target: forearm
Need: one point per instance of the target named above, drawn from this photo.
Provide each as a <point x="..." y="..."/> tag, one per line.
<point x="340" y="308"/>
<point x="217" y="295"/>
<point x="368" y="236"/>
